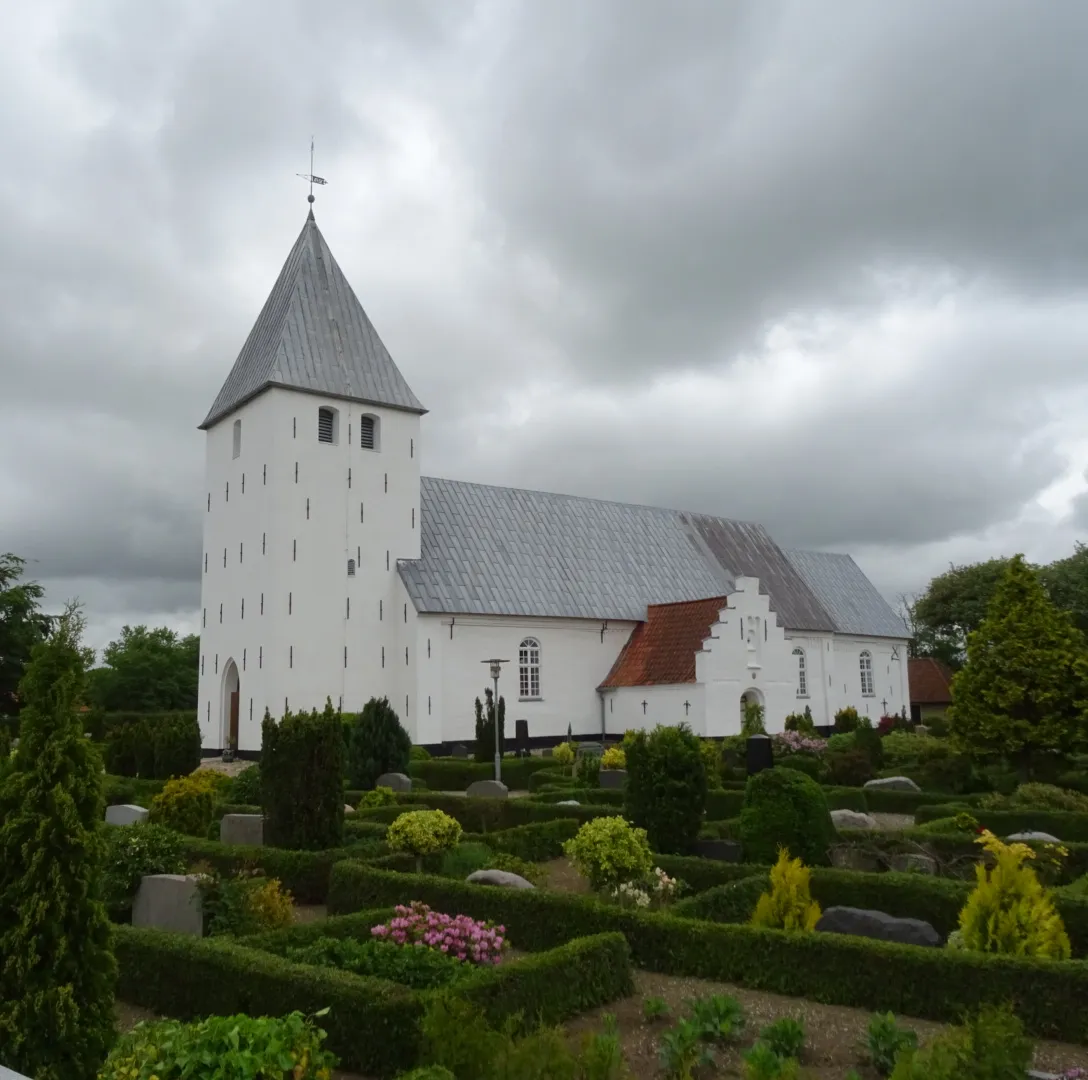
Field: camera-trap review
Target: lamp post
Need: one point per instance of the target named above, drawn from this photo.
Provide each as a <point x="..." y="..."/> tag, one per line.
<point x="496" y="671"/>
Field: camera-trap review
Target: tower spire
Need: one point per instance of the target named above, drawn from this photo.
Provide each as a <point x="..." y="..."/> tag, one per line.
<point x="311" y="178"/>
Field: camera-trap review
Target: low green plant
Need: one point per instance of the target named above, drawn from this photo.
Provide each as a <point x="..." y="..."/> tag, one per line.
<point x="719" y="1018"/>
<point x="789" y="904"/>
<point x="785" y="1036"/>
<point x="1037" y="797"/>
<point x="801" y="722"/>
<point x="610" y="852"/>
<point x="465" y="859"/>
<point x="428" y="1072"/>
<point x="587" y="769"/>
<point x="419" y="753"/>
<point x="614" y="758"/>
<point x="421" y="969"/>
<point x="847" y="719"/>
<point x="186" y="803"/>
<point x="711" y="750"/>
<point x="762" y="1063"/>
<point x="989" y="1045"/>
<point x="247" y="902"/>
<point x="601" y="1056"/>
<point x="132" y="851"/>
<point x="423" y="832"/>
<point x="654" y="1008"/>
<point x="379" y="796"/>
<point x="752" y="720"/>
<point x="885" y="1040"/>
<point x="245" y="788"/>
<point x="531" y="871"/>
<point x="682" y="1051"/>
<point x="239" y="1047"/>
<point x="563" y="754"/>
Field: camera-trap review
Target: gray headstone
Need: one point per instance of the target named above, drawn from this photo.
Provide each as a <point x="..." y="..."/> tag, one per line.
<point x="499" y="877"/>
<point x="876" y="924"/>
<point x="458" y="750"/>
<point x="546" y="752"/>
<point x="912" y="863"/>
<point x="893" y="783"/>
<point x="245" y="829"/>
<point x="759" y="754"/>
<point x="125" y="814"/>
<point x="921" y="729"/>
<point x="844" y="857"/>
<point x="487" y="789"/>
<point x="521" y="734"/>
<point x="612" y="778"/>
<point x="1038" y="837"/>
<point x="396" y="781"/>
<point x="851" y="819"/>
<point x="169" y="902"/>
<point x="718" y="850"/>
<point x="349" y="809"/>
<point x="595" y="749"/>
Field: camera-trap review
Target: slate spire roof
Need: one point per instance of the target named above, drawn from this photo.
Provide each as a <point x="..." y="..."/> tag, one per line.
<point x="313" y="335"/>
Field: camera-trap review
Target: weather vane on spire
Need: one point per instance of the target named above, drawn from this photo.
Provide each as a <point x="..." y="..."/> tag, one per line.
<point x="310" y="175"/>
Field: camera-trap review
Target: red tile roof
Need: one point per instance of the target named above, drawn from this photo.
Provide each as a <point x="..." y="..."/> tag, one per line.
<point x="929" y="680"/>
<point x="662" y="649"/>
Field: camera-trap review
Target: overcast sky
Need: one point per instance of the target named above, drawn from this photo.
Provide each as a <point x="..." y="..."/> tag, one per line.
<point x="823" y="266"/>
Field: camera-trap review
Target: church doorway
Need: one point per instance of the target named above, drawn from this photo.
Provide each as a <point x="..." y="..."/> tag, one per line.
<point x="230" y="706"/>
<point x="750" y="700"/>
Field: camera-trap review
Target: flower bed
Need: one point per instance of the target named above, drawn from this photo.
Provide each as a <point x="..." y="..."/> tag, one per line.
<point x="459" y="936"/>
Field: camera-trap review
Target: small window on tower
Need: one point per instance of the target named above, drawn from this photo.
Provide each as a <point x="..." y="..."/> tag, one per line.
<point x="326" y="425"/>
<point x="351" y="568"/>
<point x="237" y="437"/>
<point x="368" y="433"/>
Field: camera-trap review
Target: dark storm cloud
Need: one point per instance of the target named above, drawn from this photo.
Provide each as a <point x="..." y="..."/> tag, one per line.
<point x="550" y="210"/>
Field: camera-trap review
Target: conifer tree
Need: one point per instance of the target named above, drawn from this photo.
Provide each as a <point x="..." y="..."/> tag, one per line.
<point x="378" y="744"/>
<point x="56" y="969"/>
<point x="1024" y="688"/>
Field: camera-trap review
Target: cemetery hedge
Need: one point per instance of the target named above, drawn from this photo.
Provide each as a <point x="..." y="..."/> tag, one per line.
<point x="1051" y="997"/>
<point x="1064" y="824"/>
<point x="484" y="815"/>
<point x="455" y="774"/>
<point x="372" y="1024"/>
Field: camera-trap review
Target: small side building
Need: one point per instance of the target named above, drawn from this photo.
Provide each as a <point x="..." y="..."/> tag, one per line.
<point x="930" y="688"/>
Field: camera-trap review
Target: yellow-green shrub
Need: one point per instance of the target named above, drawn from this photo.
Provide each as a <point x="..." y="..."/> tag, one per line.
<point x="609" y="851"/>
<point x="423" y="832"/>
<point x="1010" y="911"/>
<point x="563" y="754"/>
<point x="379" y="796"/>
<point x="614" y="758"/>
<point x="712" y="759"/>
<point x="186" y="804"/>
<point x="789" y="904"/>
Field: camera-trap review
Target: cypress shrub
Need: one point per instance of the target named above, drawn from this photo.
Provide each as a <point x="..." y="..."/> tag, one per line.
<point x="378" y="744"/>
<point x="177" y="747"/>
<point x="120" y="751"/>
<point x="666" y="786"/>
<point x="302" y="779"/>
<point x="143" y="735"/>
<point x="57" y="970"/>
<point x="785" y="808"/>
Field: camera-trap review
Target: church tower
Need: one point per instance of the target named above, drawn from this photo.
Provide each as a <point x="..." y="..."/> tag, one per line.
<point x="312" y="495"/>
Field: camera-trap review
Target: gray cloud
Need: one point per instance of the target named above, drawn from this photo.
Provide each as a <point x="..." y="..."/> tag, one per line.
<point x="825" y="270"/>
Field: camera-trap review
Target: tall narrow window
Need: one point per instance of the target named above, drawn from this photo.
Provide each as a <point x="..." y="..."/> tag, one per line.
<point x="237" y="437"/>
<point x="411" y="448"/>
<point x="326" y="425"/>
<point x="529" y="668"/>
<point x="413" y="517"/>
<point x="349" y="479"/>
<point x="387" y="558"/>
<point x="360" y="513"/>
<point x="802" y="674"/>
<point x="351" y="568"/>
<point x="867" y="674"/>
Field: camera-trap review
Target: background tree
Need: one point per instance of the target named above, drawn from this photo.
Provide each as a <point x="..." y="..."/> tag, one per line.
<point x="377" y="744"/>
<point x="22" y="626"/>
<point x="666" y="786"/>
<point x="147" y="671"/>
<point x="56" y="970"/>
<point x="1024" y="688"/>
<point x="1066" y="582"/>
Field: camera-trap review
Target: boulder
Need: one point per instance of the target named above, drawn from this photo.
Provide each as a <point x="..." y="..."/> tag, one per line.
<point x="613" y="778"/>
<point x="893" y="783"/>
<point x="245" y="829"/>
<point x="125" y="814"/>
<point x="860" y="922"/>
<point x="913" y="864"/>
<point x="502" y="878"/>
<point x="845" y="857"/>
<point x="169" y="902"/>
<point x="349" y="809"/>
<point x="569" y="802"/>
<point x="487" y="789"/>
<point x="1037" y="837"/>
<point x="395" y="781"/>
<point x="718" y="850"/>
<point x="851" y="819"/>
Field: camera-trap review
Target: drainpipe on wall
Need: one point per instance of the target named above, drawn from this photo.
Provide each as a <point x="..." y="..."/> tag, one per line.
<point x="600" y="694"/>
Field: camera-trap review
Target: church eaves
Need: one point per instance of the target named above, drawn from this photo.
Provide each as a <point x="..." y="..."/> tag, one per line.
<point x="313" y="335"/>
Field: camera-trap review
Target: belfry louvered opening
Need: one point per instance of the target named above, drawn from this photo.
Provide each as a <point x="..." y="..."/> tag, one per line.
<point x="367" y="438"/>
<point x="326" y="425"/>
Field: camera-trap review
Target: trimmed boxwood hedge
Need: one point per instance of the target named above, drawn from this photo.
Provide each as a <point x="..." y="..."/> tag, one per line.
<point x="485" y="815"/>
<point x="907" y="802"/>
<point x="1064" y="824"/>
<point x="372" y="1024"/>
<point x="1050" y="997"/>
<point x="455" y="774"/>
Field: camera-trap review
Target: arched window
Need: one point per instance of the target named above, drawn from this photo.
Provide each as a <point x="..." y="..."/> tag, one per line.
<point x="237" y="437"/>
<point x="369" y="433"/>
<point x="327" y="425"/>
<point x="351" y="568"/>
<point x="529" y="668"/>
<point x="802" y="674"/>
<point x="867" y="674"/>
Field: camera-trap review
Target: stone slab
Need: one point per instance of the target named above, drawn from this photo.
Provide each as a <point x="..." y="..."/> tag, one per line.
<point x="845" y="857"/>
<point x="569" y="802"/>
<point x="913" y="863"/>
<point x="594" y="749"/>
<point x="758" y="754"/>
<point x="487" y="789"/>
<point x="502" y="878"/>
<point x="718" y="850"/>
<point x="169" y="902"/>
<point x="612" y="778"/>
<point x="242" y="829"/>
<point x="125" y="814"/>
<point x="395" y="781"/>
<point x="459" y="750"/>
<point x="893" y="783"/>
<point x="862" y="922"/>
<point x="1037" y="837"/>
<point x="851" y="819"/>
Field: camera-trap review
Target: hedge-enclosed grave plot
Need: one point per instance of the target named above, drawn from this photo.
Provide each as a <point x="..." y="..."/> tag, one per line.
<point x="373" y="1022"/>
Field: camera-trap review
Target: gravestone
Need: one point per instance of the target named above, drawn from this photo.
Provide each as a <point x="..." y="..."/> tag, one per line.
<point x="395" y="781"/>
<point x="521" y="737"/>
<point x="1036" y="837"/>
<point x="893" y="783"/>
<point x="546" y="752"/>
<point x="568" y="802"/>
<point x="458" y="750"/>
<point x="718" y="850"/>
<point x="499" y="877"/>
<point x="487" y="789"/>
<point x="876" y="924"/>
<point x="851" y="819"/>
<point x="913" y="863"/>
<point x="847" y="857"/>
<point x="758" y="754"/>
<point x="613" y="778"/>
<point x="169" y="902"/>
<point x="595" y="749"/>
<point x="245" y="829"/>
<point x="125" y="814"/>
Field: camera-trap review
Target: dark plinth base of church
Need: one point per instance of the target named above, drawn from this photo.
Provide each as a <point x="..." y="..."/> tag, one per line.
<point x="759" y="755"/>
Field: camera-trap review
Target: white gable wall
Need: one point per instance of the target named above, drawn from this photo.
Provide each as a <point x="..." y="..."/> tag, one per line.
<point x="665" y="704"/>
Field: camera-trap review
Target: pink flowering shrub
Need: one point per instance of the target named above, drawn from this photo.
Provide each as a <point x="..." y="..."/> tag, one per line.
<point x="792" y="742"/>
<point x="457" y="935"/>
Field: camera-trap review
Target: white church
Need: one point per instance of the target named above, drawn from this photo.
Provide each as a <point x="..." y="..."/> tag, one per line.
<point x="333" y="568"/>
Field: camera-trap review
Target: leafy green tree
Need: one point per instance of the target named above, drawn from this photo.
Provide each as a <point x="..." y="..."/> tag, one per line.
<point x="666" y="786"/>
<point x="377" y="744"/>
<point x="22" y="626"/>
<point x="57" y="972"/>
<point x="1066" y="582"/>
<point x="148" y="671"/>
<point x="1024" y="688"/>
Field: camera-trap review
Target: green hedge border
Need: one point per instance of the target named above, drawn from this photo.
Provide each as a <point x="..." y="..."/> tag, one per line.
<point x="1050" y="997"/>
<point x="1064" y="824"/>
<point x="455" y="774"/>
